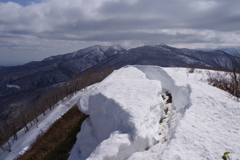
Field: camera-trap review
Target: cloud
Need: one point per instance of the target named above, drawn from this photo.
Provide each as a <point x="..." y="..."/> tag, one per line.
<point x="55" y="22"/>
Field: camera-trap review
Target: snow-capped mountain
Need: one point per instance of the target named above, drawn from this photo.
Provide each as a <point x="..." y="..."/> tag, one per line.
<point x="36" y="78"/>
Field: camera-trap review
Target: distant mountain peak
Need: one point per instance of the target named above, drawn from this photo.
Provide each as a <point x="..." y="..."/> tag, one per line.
<point x="142" y="44"/>
<point x="162" y="44"/>
<point x="88" y="50"/>
<point x="51" y="58"/>
<point x="234" y="51"/>
<point x="118" y="47"/>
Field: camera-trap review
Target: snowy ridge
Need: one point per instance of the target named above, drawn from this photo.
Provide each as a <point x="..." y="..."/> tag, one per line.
<point x="202" y="122"/>
<point x="142" y="44"/>
<point x="127" y="120"/>
<point x="113" y="104"/>
<point x="97" y="49"/>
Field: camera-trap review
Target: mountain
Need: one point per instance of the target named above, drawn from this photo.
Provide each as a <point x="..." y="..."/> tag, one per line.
<point x="31" y="80"/>
<point x="54" y="69"/>
<point x="166" y="56"/>
<point x="233" y="51"/>
<point x="217" y="59"/>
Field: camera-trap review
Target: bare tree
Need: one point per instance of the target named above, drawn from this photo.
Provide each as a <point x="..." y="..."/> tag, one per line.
<point x="5" y="145"/>
<point x="228" y="80"/>
<point x="235" y="78"/>
<point x="13" y="124"/>
<point x="23" y="115"/>
<point x="34" y="113"/>
<point x="190" y="68"/>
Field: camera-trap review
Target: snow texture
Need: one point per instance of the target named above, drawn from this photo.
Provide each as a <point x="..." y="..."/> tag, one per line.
<point x="125" y="109"/>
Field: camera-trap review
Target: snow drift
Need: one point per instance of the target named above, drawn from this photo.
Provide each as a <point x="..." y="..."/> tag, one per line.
<point x="125" y="109"/>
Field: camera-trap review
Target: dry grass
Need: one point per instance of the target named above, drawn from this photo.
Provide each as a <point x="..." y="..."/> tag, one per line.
<point x="58" y="140"/>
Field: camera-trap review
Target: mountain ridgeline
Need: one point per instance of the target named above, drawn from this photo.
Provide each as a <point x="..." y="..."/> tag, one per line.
<point x="30" y="81"/>
<point x="57" y="69"/>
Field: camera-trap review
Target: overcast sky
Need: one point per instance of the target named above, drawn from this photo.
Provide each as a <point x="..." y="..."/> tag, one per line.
<point x="36" y="29"/>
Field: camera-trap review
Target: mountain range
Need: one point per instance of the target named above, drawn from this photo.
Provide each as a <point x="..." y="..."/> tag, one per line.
<point x="233" y="51"/>
<point x="29" y="81"/>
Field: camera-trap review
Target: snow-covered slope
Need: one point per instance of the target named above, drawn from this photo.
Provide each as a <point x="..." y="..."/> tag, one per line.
<point x="26" y="138"/>
<point x="125" y="110"/>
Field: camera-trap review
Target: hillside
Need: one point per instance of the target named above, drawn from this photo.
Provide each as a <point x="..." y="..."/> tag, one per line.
<point x="131" y="117"/>
<point x="233" y="51"/>
<point x="26" y="138"/>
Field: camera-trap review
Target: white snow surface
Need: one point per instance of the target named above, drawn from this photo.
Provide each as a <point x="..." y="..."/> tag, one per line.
<point x="125" y="111"/>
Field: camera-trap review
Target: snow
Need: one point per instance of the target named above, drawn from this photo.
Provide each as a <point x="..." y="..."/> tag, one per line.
<point x="128" y="120"/>
<point x="118" y="47"/>
<point x="12" y="86"/>
<point x="125" y="109"/>
<point x="26" y="138"/>
<point x="209" y="127"/>
<point x="130" y="106"/>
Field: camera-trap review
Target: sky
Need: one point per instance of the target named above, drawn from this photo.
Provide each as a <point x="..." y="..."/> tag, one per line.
<point x="31" y="30"/>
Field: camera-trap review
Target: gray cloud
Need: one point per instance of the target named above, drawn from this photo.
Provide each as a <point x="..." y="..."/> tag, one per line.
<point x="57" y="23"/>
